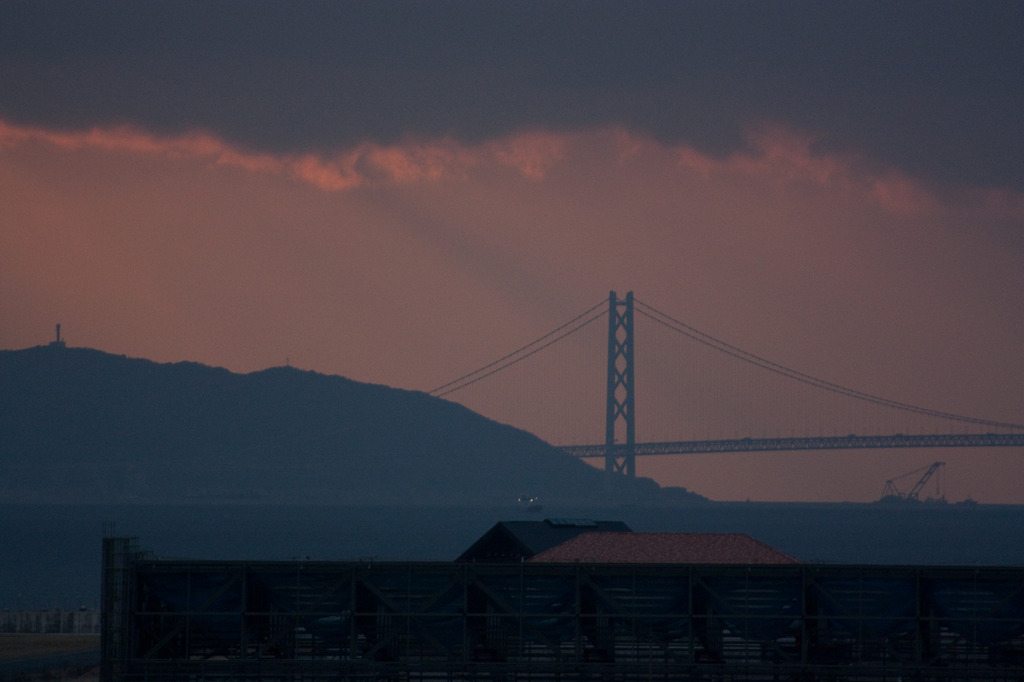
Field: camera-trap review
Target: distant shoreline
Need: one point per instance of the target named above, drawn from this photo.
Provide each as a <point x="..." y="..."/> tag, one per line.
<point x="907" y="504"/>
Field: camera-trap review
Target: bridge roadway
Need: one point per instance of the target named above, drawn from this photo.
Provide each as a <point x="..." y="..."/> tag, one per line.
<point x="851" y="442"/>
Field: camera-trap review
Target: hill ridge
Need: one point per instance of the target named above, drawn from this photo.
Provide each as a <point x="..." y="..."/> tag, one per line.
<point x="84" y="425"/>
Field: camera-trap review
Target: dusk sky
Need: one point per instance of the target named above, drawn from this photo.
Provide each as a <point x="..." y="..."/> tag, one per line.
<point x="401" y="192"/>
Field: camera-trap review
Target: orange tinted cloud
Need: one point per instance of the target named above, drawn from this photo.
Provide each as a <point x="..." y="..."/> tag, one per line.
<point x="532" y="154"/>
<point x="776" y="155"/>
<point x="367" y="164"/>
<point x="786" y="157"/>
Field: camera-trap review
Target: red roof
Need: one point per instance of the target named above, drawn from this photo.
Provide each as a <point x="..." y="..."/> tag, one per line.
<point x="663" y="548"/>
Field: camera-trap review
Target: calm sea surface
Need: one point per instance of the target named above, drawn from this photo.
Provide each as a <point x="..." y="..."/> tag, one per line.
<point x="50" y="555"/>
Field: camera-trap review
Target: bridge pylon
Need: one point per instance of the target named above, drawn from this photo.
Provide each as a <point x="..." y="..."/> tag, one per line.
<point x="620" y="422"/>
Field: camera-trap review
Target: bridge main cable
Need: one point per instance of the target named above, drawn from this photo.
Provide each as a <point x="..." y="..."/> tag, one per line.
<point x="684" y="329"/>
<point x="521" y="353"/>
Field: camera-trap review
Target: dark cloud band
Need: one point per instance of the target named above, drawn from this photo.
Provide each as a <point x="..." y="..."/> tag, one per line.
<point x="934" y="89"/>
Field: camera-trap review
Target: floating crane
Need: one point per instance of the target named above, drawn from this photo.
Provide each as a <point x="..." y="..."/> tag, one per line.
<point x="891" y="492"/>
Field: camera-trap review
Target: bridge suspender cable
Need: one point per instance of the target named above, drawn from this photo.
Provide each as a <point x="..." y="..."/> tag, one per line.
<point x="523" y="352"/>
<point x="621" y="454"/>
<point x="721" y="346"/>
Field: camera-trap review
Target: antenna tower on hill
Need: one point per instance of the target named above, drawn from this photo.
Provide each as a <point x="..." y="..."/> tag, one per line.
<point x="58" y="343"/>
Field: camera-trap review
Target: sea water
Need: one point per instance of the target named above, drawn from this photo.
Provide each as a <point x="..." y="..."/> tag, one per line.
<point x="50" y="555"/>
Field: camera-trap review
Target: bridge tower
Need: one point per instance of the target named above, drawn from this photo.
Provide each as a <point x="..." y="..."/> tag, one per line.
<point x="620" y="424"/>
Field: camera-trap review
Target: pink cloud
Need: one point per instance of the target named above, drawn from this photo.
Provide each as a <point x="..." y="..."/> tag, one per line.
<point x="331" y="177"/>
<point x="776" y="156"/>
<point x="783" y="157"/>
<point x="124" y="139"/>
<point x="532" y="154"/>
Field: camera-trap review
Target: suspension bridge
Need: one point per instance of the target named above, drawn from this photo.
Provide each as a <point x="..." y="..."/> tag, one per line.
<point x="713" y="396"/>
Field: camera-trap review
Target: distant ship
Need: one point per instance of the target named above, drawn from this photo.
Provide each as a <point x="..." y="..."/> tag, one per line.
<point x="903" y="499"/>
<point x="529" y="503"/>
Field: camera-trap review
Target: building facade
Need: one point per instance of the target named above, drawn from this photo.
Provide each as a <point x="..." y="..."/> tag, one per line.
<point x="198" y="620"/>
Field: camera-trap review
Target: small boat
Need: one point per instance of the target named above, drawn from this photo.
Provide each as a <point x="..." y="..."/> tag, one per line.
<point x="529" y="503"/>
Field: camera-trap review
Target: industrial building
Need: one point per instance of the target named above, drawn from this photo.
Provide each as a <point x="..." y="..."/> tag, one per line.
<point x="565" y="619"/>
<point x="520" y="540"/>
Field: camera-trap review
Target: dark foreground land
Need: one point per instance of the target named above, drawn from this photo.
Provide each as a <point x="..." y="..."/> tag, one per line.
<point x="19" y="647"/>
<point x="28" y="657"/>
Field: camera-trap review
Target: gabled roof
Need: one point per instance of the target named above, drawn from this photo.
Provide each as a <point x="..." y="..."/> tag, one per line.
<point x="663" y="548"/>
<point x="519" y="540"/>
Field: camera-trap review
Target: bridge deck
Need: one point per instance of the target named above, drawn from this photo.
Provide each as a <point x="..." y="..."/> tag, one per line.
<point x="899" y="440"/>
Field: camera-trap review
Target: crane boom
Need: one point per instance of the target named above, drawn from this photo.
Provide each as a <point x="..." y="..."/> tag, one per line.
<point x="924" y="479"/>
<point x="892" y="492"/>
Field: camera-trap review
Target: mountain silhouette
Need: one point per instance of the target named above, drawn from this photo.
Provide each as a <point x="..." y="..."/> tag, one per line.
<point x="81" y="425"/>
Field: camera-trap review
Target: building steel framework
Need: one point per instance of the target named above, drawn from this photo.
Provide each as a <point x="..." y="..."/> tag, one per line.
<point x="207" y="620"/>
